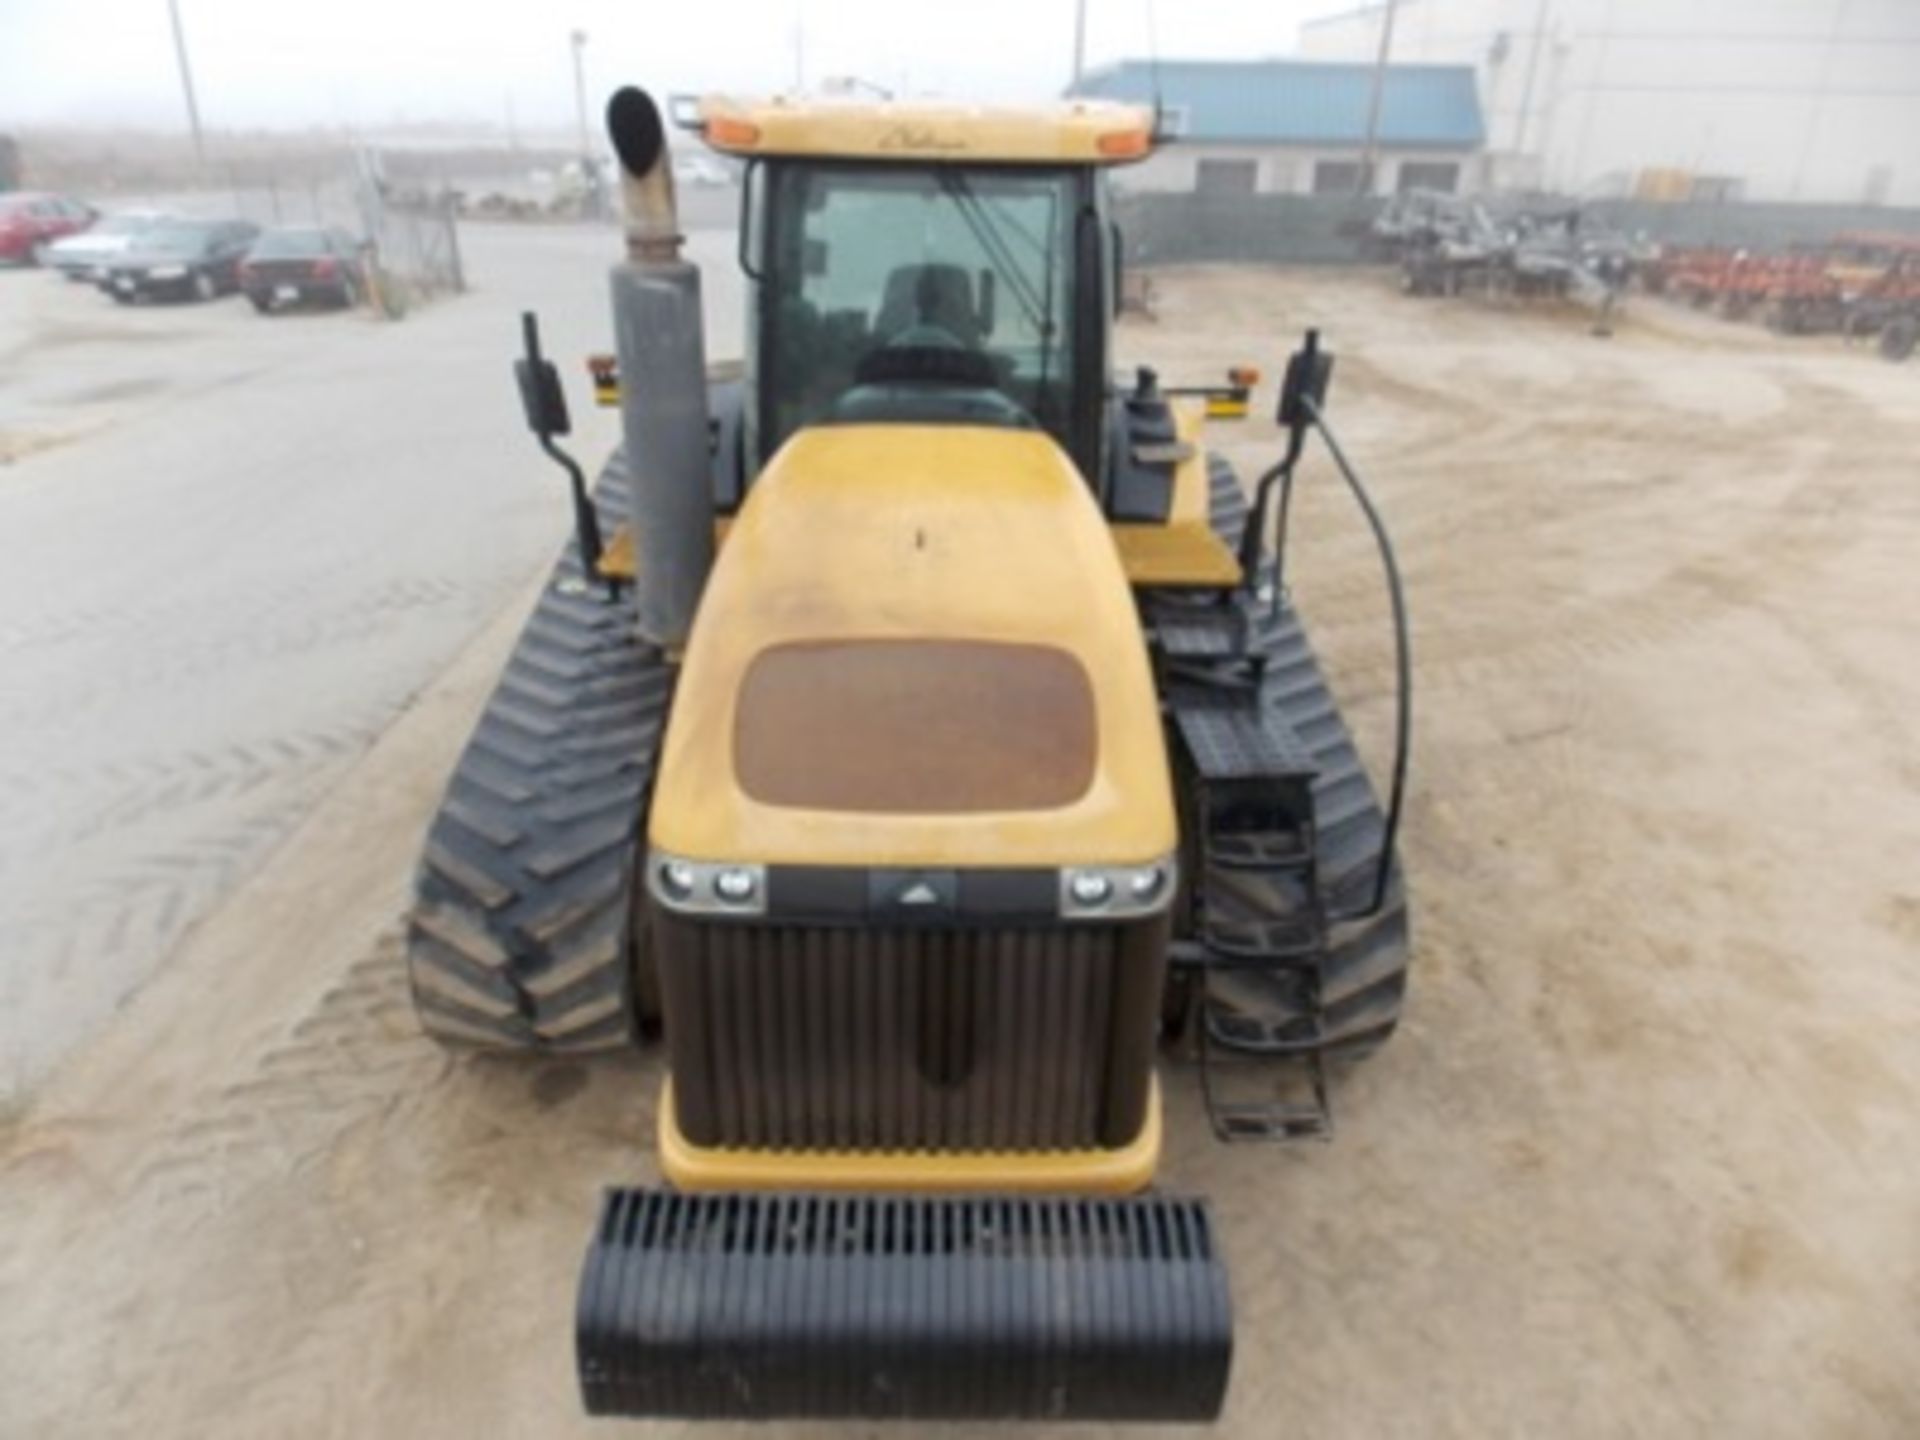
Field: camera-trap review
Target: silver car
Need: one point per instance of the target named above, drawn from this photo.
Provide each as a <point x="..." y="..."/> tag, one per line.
<point x="84" y="256"/>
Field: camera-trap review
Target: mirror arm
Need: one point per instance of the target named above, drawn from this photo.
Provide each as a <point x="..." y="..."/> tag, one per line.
<point x="586" y="521"/>
<point x="545" y="404"/>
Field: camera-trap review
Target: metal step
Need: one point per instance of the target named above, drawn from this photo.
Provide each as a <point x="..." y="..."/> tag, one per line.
<point x="776" y="1306"/>
<point x="1287" y="1076"/>
<point x="1273" y="943"/>
<point x="1233" y="741"/>
<point x="1259" y="849"/>
<point x="1200" y="633"/>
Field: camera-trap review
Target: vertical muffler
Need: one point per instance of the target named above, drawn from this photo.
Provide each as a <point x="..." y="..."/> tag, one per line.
<point x="658" y="332"/>
<point x="921" y="1307"/>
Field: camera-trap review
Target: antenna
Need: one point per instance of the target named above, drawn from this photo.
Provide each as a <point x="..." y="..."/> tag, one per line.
<point x="800" y="48"/>
<point x="1153" y="63"/>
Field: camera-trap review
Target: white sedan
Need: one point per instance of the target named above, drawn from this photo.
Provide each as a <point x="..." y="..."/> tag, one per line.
<point x="83" y="256"/>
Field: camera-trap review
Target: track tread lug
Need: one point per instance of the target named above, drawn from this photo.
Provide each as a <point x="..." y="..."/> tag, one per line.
<point x="520" y="935"/>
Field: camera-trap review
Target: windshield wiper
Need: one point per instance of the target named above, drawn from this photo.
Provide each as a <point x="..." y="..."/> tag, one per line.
<point x="998" y="254"/>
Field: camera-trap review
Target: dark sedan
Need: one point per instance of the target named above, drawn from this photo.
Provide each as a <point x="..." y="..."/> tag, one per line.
<point x="289" y="267"/>
<point x="180" y="260"/>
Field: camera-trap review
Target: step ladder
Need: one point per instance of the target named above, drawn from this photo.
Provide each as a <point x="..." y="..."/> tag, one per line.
<point x="1257" y="934"/>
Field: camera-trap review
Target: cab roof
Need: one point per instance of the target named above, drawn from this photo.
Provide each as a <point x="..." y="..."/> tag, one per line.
<point x="1077" y="132"/>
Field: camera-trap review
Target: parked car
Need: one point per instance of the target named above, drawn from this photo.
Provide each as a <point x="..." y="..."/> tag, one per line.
<point x="699" y="171"/>
<point x="83" y="256"/>
<point x="180" y="260"/>
<point x="287" y="267"/>
<point x="30" y="222"/>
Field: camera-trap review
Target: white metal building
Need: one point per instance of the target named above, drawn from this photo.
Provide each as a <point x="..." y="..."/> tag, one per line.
<point x="1289" y="127"/>
<point x="1815" y="100"/>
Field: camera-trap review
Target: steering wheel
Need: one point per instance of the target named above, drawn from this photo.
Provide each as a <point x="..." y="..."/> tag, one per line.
<point x="927" y="353"/>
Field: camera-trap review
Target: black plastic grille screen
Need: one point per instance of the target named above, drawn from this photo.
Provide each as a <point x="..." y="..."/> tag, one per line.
<point x="818" y="1306"/>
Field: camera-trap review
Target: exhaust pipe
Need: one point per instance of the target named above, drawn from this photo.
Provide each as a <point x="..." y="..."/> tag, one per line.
<point x="658" y="332"/>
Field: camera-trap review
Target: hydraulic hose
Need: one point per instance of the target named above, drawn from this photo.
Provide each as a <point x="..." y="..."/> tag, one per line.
<point x="1402" y="665"/>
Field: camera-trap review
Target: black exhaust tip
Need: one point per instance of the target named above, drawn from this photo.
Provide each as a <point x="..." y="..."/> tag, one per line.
<point x="633" y="124"/>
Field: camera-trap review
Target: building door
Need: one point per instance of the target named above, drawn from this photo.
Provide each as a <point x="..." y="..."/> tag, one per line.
<point x="1225" y="177"/>
<point x="1441" y="175"/>
<point x="1336" y="177"/>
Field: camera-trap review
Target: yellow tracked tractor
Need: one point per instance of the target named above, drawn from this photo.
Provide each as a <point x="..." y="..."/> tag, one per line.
<point x="929" y="748"/>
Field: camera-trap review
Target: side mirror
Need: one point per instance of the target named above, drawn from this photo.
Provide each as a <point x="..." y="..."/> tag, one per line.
<point x="813" y="258"/>
<point x="989" y="288"/>
<point x="541" y="397"/>
<point x="1309" y="372"/>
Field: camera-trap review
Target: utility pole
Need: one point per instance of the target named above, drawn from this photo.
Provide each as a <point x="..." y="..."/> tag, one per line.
<point x="580" y="95"/>
<point x="1079" y="41"/>
<point x="1526" y="85"/>
<point x="186" y="84"/>
<point x="1368" y="158"/>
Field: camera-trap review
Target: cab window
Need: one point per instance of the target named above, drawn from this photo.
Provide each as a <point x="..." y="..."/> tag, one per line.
<point x="871" y="271"/>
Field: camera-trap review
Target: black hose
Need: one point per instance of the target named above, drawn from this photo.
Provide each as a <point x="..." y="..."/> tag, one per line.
<point x="1253" y="529"/>
<point x="1280" y="524"/>
<point x="1402" y="664"/>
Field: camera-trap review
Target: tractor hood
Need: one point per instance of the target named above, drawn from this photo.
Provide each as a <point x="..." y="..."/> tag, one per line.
<point x="917" y="649"/>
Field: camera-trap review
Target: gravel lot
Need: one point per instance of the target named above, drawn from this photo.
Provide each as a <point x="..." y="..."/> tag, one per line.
<point x="232" y="548"/>
<point x="1644" y="1160"/>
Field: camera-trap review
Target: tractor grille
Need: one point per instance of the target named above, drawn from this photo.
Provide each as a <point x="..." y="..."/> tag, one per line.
<point x="812" y="1037"/>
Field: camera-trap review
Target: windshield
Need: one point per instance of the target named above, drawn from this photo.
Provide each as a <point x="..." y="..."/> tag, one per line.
<point x="967" y="266"/>
<point x="276" y="243"/>
<point x="123" y="224"/>
<point x="175" y="240"/>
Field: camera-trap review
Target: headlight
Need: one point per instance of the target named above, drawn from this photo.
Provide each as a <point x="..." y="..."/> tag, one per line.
<point x="735" y="886"/>
<point x="1115" y="892"/>
<point x="167" y="272"/>
<point x="702" y="887"/>
<point x="677" y="879"/>
<point x="1090" y="888"/>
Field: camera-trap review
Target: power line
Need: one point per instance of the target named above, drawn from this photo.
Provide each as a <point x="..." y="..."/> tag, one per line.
<point x="186" y="83"/>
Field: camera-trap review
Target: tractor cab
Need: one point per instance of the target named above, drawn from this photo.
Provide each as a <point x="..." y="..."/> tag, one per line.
<point x="955" y="265"/>
<point x="929" y="264"/>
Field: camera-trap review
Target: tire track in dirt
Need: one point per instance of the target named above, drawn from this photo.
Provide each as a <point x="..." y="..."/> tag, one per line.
<point x="144" y="786"/>
<point x="1704" y="573"/>
<point x="253" y="1155"/>
<point x="209" y="653"/>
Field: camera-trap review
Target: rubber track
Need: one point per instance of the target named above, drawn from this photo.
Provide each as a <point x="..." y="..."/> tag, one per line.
<point x="1364" y="971"/>
<point x="520" y="934"/>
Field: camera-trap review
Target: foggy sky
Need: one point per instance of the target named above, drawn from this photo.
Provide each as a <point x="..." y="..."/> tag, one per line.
<point x="381" y="62"/>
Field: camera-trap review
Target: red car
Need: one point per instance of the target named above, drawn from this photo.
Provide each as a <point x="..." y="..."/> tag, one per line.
<point x="29" y="223"/>
<point x="289" y="267"/>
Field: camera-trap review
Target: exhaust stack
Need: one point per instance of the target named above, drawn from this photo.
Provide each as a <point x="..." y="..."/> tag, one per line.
<point x="663" y="381"/>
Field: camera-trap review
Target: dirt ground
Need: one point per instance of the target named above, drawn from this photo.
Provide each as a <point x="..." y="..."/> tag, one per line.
<point x="1643" y="1160"/>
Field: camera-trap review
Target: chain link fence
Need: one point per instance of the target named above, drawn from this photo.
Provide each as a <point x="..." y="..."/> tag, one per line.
<point x="1177" y="229"/>
<point x="414" y="232"/>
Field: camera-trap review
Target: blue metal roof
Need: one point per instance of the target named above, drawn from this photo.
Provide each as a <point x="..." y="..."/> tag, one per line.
<point x="1302" y="102"/>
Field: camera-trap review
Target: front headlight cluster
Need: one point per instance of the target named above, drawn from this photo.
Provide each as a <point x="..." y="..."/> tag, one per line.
<point x="703" y="887"/>
<point x="1106" y="892"/>
<point x="1085" y="892"/>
